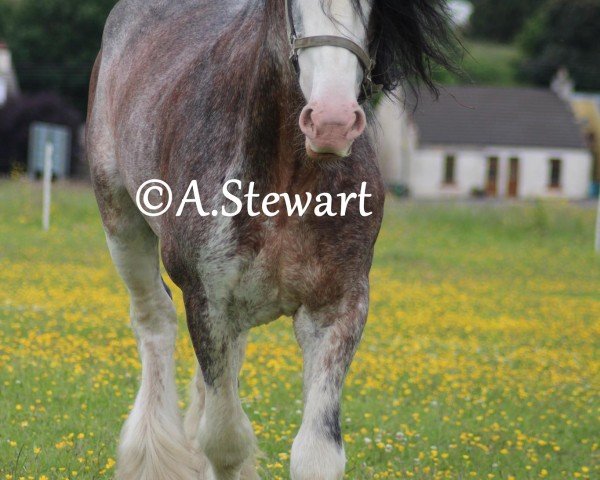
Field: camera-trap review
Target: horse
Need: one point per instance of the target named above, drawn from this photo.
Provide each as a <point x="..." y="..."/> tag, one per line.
<point x="204" y="90"/>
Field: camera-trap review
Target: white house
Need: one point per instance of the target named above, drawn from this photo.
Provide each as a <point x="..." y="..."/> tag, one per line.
<point x="498" y="142"/>
<point x="8" y="80"/>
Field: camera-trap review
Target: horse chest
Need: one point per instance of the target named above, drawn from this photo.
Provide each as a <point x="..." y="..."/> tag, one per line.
<point x="258" y="284"/>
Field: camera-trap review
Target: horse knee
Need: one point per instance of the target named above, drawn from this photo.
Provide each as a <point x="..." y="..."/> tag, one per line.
<point x="227" y="442"/>
<point x="154" y="321"/>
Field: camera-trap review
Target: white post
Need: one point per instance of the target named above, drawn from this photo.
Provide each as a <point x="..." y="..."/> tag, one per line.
<point x="47" y="182"/>
<point x="598" y="228"/>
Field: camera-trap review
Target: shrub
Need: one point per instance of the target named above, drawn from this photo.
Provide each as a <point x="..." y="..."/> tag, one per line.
<point x="18" y="114"/>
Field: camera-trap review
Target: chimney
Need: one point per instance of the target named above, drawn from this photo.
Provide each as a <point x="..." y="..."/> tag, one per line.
<point x="562" y="84"/>
<point x="5" y="65"/>
<point x="9" y="86"/>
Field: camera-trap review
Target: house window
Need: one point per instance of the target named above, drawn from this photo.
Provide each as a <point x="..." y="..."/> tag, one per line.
<point x="513" y="177"/>
<point x="555" y="173"/>
<point x="449" y="168"/>
<point x="491" y="186"/>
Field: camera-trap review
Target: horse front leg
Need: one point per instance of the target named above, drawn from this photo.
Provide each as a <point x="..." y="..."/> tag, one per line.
<point x="225" y="434"/>
<point x="328" y="338"/>
<point x="153" y="445"/>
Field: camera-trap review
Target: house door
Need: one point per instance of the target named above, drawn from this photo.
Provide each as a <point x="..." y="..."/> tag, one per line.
<point x="491" y="187"/>
<point x="513" y="177"/>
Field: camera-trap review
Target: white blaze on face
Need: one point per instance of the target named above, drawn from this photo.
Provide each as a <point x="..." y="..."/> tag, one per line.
<point x="330" y="77"/>
<point x="330" y="70"/>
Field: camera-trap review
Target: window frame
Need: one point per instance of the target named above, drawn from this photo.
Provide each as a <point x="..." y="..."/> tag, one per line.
<point x="559" y="181"/>
<point x="450" y="159"/>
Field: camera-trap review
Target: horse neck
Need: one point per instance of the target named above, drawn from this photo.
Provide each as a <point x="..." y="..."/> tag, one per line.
<point x="272" y="141"/>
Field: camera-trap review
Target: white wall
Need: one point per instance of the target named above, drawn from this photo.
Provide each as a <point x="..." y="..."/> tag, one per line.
<point x="427" y="171"/>
<point x="394" y="138"/>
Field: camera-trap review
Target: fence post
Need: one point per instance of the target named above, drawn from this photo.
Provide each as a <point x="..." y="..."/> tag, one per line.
<point x="47" y="185"/>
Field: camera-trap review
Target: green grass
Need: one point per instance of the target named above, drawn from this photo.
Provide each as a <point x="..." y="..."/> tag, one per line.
<point x="480" y="358"/>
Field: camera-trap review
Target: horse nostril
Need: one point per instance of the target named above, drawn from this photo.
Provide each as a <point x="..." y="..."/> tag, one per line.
<point x="306" y="122"/>
<point x="360" y="122"/>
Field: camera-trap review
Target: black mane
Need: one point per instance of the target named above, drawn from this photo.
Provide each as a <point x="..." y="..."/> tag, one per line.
<point x="409" y="36"/>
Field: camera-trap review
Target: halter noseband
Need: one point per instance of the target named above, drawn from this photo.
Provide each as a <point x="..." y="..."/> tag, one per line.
<point x="368" y="87"/>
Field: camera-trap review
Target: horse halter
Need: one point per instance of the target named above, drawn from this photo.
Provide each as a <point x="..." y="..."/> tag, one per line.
<point x="368" y="86"/>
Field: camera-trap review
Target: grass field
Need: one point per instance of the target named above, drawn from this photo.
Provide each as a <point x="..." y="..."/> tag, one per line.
<point x="480" y="359"/>
<point x="484" y="63"/>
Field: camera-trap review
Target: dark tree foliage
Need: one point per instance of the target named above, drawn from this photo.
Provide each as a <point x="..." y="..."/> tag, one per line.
<point x="54" y="43"/>
<point x="501" y="20"/>
<point x="18" y="114"/>
<point x="565" y="33"/>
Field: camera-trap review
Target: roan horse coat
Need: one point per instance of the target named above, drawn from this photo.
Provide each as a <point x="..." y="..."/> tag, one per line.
<point x="198" y="89"/>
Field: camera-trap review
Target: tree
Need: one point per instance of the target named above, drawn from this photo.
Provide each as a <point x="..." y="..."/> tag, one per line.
<point x="501" y="20"/>
<point x="54" y="43"/>
<point x="563" y="34"/>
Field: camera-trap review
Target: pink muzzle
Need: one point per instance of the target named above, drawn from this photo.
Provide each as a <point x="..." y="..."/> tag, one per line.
<point x="330" y="129"/>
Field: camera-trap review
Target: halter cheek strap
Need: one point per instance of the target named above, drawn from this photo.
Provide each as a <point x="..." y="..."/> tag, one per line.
<point x="369" y="88"/>
<point x="334" y="41"/>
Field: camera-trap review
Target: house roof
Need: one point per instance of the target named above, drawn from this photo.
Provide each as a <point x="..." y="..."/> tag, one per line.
<point x="486" y="116"/>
